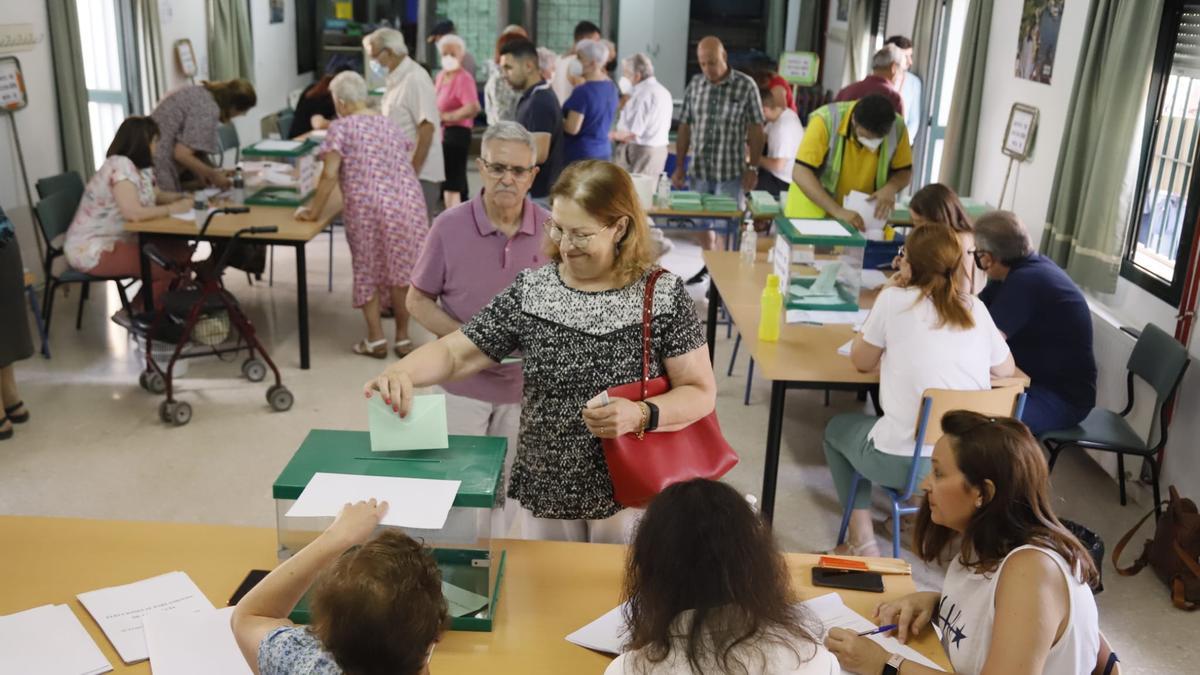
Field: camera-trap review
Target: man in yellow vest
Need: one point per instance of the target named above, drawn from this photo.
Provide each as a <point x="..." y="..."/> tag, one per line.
<point x="868" y="151"/>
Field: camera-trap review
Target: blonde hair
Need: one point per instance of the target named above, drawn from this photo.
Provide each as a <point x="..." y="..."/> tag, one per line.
<point x="605" y="191"/>
<point x="935" y="256"/>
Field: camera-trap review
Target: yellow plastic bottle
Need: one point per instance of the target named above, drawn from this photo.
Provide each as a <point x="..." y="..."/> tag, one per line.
<point x="772" y="310"/>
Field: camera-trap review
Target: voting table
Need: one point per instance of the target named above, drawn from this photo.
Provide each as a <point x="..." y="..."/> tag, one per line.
<point x="551" y="588"/>
<point x="804" y="357"/>
<point x="291" y="232"/>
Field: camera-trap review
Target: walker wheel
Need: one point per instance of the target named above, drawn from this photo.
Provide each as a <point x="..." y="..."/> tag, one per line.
<point x="142" y="381"/>
<point x="166" y="411"/>
<point x="280" y="398"/>
<point x="155" y="382"/>
<point x="254" y="370"/>
<point x="182" y="413"/>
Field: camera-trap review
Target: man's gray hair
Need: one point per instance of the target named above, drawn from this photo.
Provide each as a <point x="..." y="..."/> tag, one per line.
<point x="639" y="64"/>
<point x="547" y="59"/>
<point x="389" y="39"/>
<point x="1003" y="235"/>
<point x="348" y="87"/>
<point x="452" y="39"/>
<point x="593" y="51"/>
<point x="509" y="131"/>
<point x="884" y="58"/>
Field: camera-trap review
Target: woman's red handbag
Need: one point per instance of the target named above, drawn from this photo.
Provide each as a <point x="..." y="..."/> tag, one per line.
<point x="642" y="468"/>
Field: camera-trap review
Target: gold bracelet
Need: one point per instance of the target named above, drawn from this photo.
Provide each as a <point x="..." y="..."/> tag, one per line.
<point x="641" y="433"/>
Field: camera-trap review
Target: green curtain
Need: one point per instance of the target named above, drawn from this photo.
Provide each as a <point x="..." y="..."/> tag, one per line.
<point x="962" y="130"/>
<point x="71" y="88"/>
<point x="810" y="29"/>
<point x="148" y="33"/>
<point x="1085" y="224"/>
<point x="924" y="36"/>
<point x="230" y="52"/>
<point x="859" y="32"/>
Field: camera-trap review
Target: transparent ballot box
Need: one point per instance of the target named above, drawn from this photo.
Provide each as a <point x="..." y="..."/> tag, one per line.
<point x="280" y="172"/>
<point x="819" y="263"/>
<point x="468" y="559"/>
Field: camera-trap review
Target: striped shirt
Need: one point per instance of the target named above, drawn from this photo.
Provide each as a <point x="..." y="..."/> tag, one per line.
<point x="718" y="115"/>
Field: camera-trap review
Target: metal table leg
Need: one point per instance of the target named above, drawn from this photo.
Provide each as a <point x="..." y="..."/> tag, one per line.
<point x="302" y="303"/>
<point x="774" y="438"/>
<point x="714" y="302"/>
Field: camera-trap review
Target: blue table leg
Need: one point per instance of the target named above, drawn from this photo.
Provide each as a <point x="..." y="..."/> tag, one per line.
<point x="38" y="319"/>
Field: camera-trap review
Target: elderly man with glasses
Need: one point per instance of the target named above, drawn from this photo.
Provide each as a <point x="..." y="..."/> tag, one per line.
<point x="473" y="252"/>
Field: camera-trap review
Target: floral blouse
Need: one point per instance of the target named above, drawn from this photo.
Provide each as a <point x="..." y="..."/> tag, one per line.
<point x="293" y="650"/>
<point x="98" y="225"/>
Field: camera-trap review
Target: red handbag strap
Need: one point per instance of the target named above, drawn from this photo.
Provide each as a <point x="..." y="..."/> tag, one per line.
<point x="647" y="315"/>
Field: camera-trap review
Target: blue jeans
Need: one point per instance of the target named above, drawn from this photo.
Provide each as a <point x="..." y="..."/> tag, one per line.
<point x="731" y="187"/>
<point x="1047" y="411"/>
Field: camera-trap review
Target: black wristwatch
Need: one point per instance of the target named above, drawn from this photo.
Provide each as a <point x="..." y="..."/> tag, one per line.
<point x="652" y="423"/>
<point x="892" y="667"/>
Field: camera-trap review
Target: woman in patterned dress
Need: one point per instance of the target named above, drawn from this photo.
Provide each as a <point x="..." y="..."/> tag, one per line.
<point x="367" y="154"/>
<point x="189" y="119"/>
<point x="577" y="323"/>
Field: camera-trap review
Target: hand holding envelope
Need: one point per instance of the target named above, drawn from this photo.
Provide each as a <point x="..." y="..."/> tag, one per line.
<point x="424" y="428"/>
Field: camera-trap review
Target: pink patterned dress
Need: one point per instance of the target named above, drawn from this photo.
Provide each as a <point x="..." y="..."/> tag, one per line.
<point x="384" y="214"/>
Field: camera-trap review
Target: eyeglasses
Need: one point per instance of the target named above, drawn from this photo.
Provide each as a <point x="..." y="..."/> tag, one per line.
<point x="579" y="241"/>
<point x="496" y="170"/>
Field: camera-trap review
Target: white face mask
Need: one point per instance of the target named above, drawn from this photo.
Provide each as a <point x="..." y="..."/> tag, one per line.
<point x="871" y="144"/>
<point x="450" y="62"/>
<point x="379" y="69"/>
<point x="575" y="69"/>
<point x="625" y="85"/>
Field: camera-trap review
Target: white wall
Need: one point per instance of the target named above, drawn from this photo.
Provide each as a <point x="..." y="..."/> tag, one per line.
<point x="37" y="125"/>
<point x="1029" y="197"/>
<point x="901" y="14"/>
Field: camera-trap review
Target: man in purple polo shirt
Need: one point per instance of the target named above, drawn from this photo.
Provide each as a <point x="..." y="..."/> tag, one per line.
<point x="473" y="252"/>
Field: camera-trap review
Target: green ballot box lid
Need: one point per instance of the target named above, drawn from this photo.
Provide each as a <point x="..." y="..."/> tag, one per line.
<point x="846" y="236"/>
<point x="477" y="461"/>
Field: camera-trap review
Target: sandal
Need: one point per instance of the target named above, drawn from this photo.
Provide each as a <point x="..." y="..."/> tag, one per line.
<point x="376" y="349"/>
<point x="404" y="347"/>
<point x="5" y="435"/>
<point x="16" y="419"/>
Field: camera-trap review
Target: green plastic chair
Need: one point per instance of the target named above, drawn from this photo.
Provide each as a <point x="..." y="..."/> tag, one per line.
<point x="1159" y="360"/>
<point x="227" y="139"/>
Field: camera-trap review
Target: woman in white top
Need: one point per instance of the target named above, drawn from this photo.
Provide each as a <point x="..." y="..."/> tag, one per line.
<point x="709" y="593"/>
<point x="1016" y="599"/>
<point x="925" y="331"/>
<point x="123" y="189"/>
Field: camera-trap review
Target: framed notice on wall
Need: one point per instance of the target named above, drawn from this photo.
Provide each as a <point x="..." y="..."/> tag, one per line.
<point x="1020" y="132"/>
<point x="799" y="67"/>
<point x="12" y="84"/>
<point x="185" y="56"/>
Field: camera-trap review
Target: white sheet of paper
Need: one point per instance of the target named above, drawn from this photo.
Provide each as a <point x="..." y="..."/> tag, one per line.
<point x="834" y="613"/>
<point x="424" y="428"/>
<point x="873" y="278"/>
<point x="857" y="201"/>
<point x="819" y="228"/>
<point x="823" y="317"/>
<point x="48" y="640"/>
<point x="193" y="643"/>
<point x="844" y="350"/>
<point x="277" y="145"/>
<point x="606" y="634"/>
<point x="190" y="215"/>
<point x="119" y="610"/>
<point x="412" y="502"/>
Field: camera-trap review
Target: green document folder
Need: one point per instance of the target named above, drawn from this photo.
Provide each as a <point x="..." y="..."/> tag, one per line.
<point x="423" y="429"/>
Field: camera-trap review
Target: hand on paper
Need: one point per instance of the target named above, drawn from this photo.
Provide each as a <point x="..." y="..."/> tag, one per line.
<point x="852" y="217"/>
<point x="396" y="388"/>
<point x="885" y="201"/>
<point x="357" y="521"/>
<point x="856" y="654"/>
<point x="621" y="416"/>
<point x="910" y="613"/>
<point x="180" y="206"/>
<point x="218" y="179"/>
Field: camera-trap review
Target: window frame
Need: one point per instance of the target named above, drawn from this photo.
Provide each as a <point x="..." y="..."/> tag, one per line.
<point x="1164" y="55"/>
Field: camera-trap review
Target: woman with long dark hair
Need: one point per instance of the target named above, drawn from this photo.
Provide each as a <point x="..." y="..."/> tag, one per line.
<point x="924" y="331"/>
<point x="709" y="592"/>
<point x="1016" y="597"/>
<point x="937" y="204"/>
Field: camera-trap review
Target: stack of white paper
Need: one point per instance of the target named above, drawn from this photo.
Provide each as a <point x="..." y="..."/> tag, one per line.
<point x="412" y="502"/>
<point x="858" y="202"/>
<point x="193" y="643"/>
<point x="819" y="228"/>
<point x="606" y="634"/>
<point x="48" y="640"/>
<point x="834" y="613"/>
<point x="825" y="317"/>
<point x="120" y="609"/>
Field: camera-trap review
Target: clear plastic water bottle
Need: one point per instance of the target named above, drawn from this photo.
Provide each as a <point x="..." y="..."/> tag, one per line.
<point x="199" y="210"/>
<point x="662" y="193"/>
<point x="239" y="187"/>
<point x="749" y="245"/>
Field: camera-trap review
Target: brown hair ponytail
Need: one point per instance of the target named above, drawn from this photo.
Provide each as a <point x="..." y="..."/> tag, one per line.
<point x="935" y="256"/>
<point x="233" y="97"/>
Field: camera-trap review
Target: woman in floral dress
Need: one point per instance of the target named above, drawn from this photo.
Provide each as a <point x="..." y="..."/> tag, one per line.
<point x="384" y="208"/>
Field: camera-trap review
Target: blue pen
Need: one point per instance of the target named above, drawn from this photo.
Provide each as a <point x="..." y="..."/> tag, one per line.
<point x="881" y="629"/>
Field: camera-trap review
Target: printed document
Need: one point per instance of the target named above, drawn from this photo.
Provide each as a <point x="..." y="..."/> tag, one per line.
<point x="120" y="609"/>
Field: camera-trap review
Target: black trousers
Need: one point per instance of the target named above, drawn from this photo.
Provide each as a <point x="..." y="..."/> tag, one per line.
<point x="456" y="142"/>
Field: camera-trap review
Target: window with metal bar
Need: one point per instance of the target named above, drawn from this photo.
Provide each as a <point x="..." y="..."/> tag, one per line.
<point x="1166" y="203"/>
<point x="102" y="35"/>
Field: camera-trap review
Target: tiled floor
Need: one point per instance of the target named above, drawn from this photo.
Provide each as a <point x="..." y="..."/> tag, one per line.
<point x="95" y="447"/>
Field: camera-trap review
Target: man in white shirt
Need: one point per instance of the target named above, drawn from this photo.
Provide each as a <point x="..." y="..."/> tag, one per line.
<point x="910" y="86"/>
<point x="411" y="101"/>
<point x="645" y="120"/>
<point x="784" y="132"/>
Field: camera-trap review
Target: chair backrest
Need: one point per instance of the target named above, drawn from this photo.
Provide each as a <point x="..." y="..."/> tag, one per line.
<point x="68" y="182"/>
<point x="227" y="138"/>
<point x="268" y="124"/>
<point x="55" y="212"/>
<point x="284" y="118"/>
<point x="1160" y="360"/>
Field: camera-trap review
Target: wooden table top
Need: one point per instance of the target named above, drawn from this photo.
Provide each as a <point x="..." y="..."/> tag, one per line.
<point x="804" y="353"/>
<point x="549" y="590"/>
<point x="224" y="225"/>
